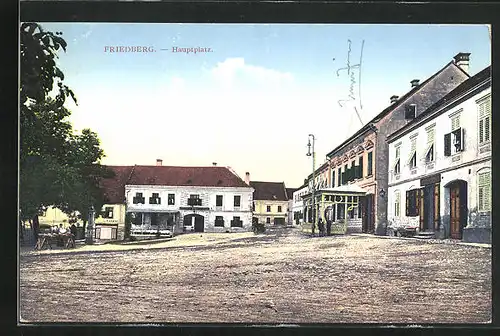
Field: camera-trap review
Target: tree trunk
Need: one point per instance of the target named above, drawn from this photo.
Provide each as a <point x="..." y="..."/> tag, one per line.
<point x="36" y="227"/>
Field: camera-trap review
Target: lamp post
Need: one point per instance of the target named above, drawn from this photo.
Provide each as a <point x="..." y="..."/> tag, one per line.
<point x="90" y="228"/>
<point x="313" y="154"/>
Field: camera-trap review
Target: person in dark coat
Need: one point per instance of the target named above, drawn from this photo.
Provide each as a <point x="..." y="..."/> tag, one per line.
<point x="73" y="230"/>
<point x="321" y="227"/>
<point x="328" y="227"/>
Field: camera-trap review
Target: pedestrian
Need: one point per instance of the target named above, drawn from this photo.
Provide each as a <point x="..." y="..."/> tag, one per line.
<point x="73" y="230"/>
<point x="321" y="227"/>
<point x="328" y="227"/>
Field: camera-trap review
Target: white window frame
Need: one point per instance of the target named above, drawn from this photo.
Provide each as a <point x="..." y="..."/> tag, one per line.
<point x="430" y="149"/>
<point x="413" y="152"/>
<point x="484" y="119"/>
<point x="484" y="191"/>
<point x="397" y="159"/>
<point x="397" y="203"/>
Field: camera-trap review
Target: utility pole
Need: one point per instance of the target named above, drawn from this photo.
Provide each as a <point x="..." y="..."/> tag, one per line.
<point x="313" y="154"/>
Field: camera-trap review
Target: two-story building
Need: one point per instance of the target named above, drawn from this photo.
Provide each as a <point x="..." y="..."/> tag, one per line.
<point x="440" y="165"/>
<point x="362" y="159"/>
<point x="270" y="201"/>
<point x="179" y="199"/>
<point x="298" y="204"/>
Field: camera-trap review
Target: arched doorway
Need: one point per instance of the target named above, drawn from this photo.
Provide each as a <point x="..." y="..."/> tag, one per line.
<point x="196" y="221"/>
<point x="458" y="207"/>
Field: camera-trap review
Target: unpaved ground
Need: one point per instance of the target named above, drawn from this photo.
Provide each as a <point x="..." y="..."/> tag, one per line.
<point x="272" y="278"/>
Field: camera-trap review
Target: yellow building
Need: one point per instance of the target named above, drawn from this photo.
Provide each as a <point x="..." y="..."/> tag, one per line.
<point x="270" y="203"/>
<point x="53" y="216"/>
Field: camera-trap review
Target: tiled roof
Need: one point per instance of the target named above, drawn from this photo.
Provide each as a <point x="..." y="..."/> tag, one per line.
<point x="387" y="110"/>
<point x="290" y="191"/>
<point x="114" y="187"/>
<point x="470" y="83"/>
<point x="212" y="176"/>
<point x="269" y="191"/>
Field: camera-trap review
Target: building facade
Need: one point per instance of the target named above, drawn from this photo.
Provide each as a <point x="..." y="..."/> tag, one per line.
<point x="440" y="165"/>
<point x="362" y="159"/>
<point x="185" y="199"/>
<point x="289" y="208"/>
<point x="298" y="205"/>
<point x="270" y="203"/>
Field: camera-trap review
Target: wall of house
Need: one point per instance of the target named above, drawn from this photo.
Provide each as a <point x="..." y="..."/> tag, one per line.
<point x="298" y="204"/>
<point x="118" y="218"/>
<point x="53" y="216"/>
<point x="427" y="95"/>
<point x="262" y="214"/>
<point x="463" y="165"/>
<point x="208" y="196"/>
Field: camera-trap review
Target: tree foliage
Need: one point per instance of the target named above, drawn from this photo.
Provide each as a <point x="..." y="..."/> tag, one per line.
<point x="57" y="167"/>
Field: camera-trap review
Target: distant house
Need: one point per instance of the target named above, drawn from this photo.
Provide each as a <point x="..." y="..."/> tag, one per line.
<point x="298" y="204"/>
<point x="440" y="165"/>
<point x="270" y="201"/>
<point x="199" y="199"/>
<point x="110" y="224"/>
<point x="289" y="193"/>
<point x="362" y="159"/>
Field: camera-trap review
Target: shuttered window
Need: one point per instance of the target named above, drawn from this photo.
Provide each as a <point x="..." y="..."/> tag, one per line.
<point x="397" y="203"/>
<point x="484" y="120"/>
<point x="360" y="168"/>
<point x="484" y="191"/>
<point x="429" y="151"/>
<point x="412" y="159"/>
<point x="370" y="163"/>
<point x="397" y="166"/>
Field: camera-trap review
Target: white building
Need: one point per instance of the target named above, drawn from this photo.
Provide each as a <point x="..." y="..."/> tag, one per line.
<point x="298" y="205"/>
<point x="440" y="165"/>
<point x="199" y="199"/>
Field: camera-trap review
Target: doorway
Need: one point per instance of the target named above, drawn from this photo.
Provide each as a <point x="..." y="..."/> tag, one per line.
<point x="428" y="208"/>
<point x="458" y="208"/>
<point x="196" y="221"/>
<point x="367" y="209"/>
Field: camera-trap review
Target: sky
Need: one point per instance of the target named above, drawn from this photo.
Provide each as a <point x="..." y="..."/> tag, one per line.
<point x="252" y="98"/>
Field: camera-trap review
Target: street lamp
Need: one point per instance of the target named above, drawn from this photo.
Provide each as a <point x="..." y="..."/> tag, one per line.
<point x="313" y="154"/>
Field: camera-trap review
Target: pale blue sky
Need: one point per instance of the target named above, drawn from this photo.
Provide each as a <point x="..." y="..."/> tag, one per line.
<point x="252" y="101"/>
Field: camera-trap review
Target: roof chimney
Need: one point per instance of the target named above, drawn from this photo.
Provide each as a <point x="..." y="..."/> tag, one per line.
<point x="462" y="61"/>
<point x="247" y="178"/>
<point x="394" y="99"/>
<point x="214" y="164"/>
<point x="159" y="162"/>
<point x="415" y="82"/>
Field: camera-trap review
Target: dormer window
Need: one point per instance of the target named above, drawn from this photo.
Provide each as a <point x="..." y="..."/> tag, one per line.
<point x="138" y="199"/>
<point x="410" y="111"/>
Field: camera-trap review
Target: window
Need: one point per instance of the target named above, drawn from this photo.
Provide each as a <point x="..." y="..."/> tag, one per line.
<point x="171" y="199"/>
<point x="155" y="199"/>
<point x="370" y="164"/>
<point x="339" y="177"/>
<point x="484" y="107"/>
<point x="108" y="212"/>
<point x="412" y="162"/>
<point x="340" y="211"/>
<point x="353" y="174"/>
<point x="219" y="221"/>
<point x="429" y="151"/>
<point x="268" y="220"/>
<point x="397" y="203"/>
<point x="397" y="161"/>
<point x="333" y="179"/>
<point x="345" y="178"/>
<point x="137" y="218"/>
<point x="237" y="200"/>
<point x="412" y="202"/>
<point x="360" y="167"/>
<point x="154" y="219"/>
<point x="268" y="208"/>
<point x="279" y="208"/>
<point x="484" y="191"/>
<point x="236" y="222"/>
<point x="138" y="199"/>
<point x="194" y="200"/>
<point x="410" y="111"/>
<point x="218" y="200"/>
